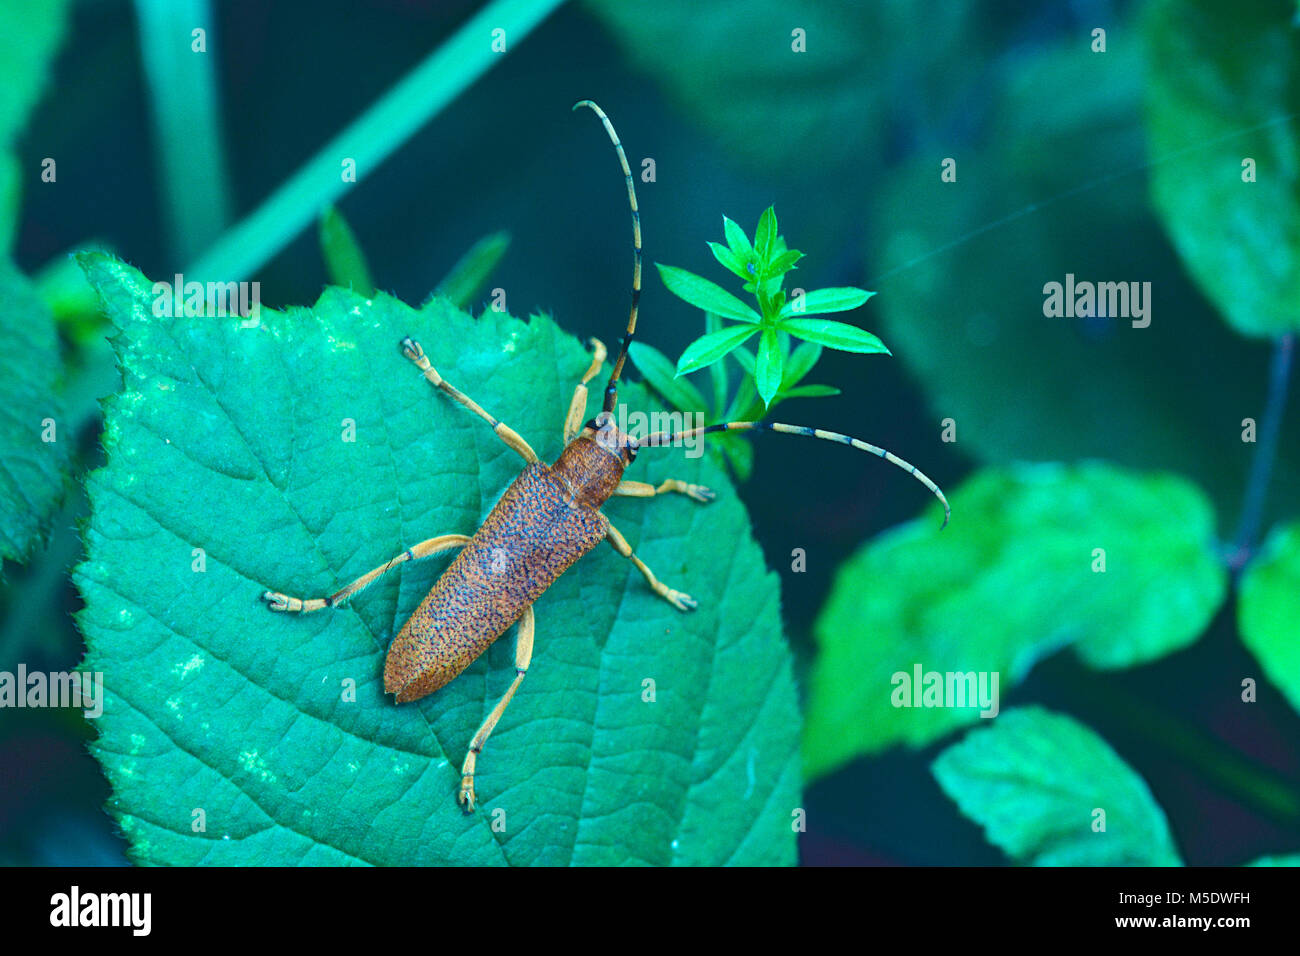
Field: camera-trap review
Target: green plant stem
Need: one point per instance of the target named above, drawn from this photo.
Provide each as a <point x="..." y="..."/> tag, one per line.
<point x="1261" y="468"/>
<point x="368" y="140"/>
<point x="186" y="118"/>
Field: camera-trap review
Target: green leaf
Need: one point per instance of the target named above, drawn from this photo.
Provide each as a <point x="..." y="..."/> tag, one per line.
<point x="32" y="470"/>
<point x="784" y="262"/>
<point x="472" y="270"/>
<point x="836" y="335"/>
<point x="801" y="363"/>
<point x="11" y="198"/>
<point x="1011" y="581"/>
<point x="735" y="263"/>
<point x="229" y="439"/>
<point x="802" y="113"/>
<point x="737" y="240"/>
<point x="738" y="452"/>
<point x="710" y="347"/>
<point x="1268" y="610"/>
<point x="706" y="295"/>
<point x="765" y="236"/>
<point x="30" y="35"/>
<point x="1035" y="780"/>
<point x="810" y="391"/>
<point x="768" y="366"/>
<point x="1026" y="387"/>
<point x="1223" y="84"/>
<point x="717" y="371"/>
<point x="745" y="359"/>
<point x="344" y="259"/>
<point x="659" y="372"/>
<point x="820" y="301"/>
<point x="1291" y="860"/>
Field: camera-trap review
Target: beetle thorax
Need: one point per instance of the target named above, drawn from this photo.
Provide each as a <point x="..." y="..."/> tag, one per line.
<point x="590" y="469"/>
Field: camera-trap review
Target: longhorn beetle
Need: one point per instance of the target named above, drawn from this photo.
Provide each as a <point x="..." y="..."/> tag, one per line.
<point x="546" y="520"/>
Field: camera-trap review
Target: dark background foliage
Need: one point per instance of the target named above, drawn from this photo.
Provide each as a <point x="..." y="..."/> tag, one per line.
<point x="847" y="147"/>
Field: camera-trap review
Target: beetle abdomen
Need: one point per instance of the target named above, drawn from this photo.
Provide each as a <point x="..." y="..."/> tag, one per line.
<point x="532" y="536"/>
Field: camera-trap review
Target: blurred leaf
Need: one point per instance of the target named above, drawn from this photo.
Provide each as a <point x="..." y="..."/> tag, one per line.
<point x="768" y="366"/>
<point x="32" y="471"/>
<point x="30" y="35"/>
<point x="1034" y="780"/>
<point x="344" y="260"/>
<point x="870" y="71"/>
<point x="835" y="335"/>
<point x="712" y="346"/>
<point x="801" y="363"/>
<point x="718" y="370"/>
<point x="1224" y="85"/>
<point x="472" y="270"/>
<point x="738" y="452"/>
<point x="1292" y="860"/>
<point x="819" y="301"/>
<point x="745" y="359"/>
<point x="661" y="375"/>
<point x="962" y="300"/>
<point x="62" y="286"/>
<point x="253" y="730"/>
<point x="11" y="198"/>
<point x="706" y="295"/>
<point x="1008" y="583"/>
<point x="1268" y="610"/>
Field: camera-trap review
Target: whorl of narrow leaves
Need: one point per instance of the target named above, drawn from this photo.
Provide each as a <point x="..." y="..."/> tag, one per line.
<point x="762" y="266"/>
<point x="642" y="735"/>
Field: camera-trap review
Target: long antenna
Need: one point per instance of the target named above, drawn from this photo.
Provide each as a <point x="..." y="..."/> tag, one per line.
<point x="668" y="438"/>
<point x="611" y="390"/>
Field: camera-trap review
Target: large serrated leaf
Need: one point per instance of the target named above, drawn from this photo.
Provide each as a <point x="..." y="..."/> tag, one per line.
<point x="1013" y="578"/>
<point x="31" y="468"/>
<point x="1035" y="781"/>
<point x="229" y="439"/>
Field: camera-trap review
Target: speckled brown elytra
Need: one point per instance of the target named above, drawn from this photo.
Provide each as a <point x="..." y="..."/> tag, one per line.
<point x="546" y="520"/>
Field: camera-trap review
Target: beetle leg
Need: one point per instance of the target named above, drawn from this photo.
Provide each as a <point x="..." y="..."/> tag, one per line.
<point x="411" y="349"/>
<point x="679" y="600"/>
<point x="578" y="404"/>
<point x="523" y="656"/>
<point x="425" y="549"/>
<point x="642" y="489"/>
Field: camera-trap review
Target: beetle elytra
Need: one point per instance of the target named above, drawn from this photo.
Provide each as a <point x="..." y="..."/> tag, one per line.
<point x="545" y="521"/>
